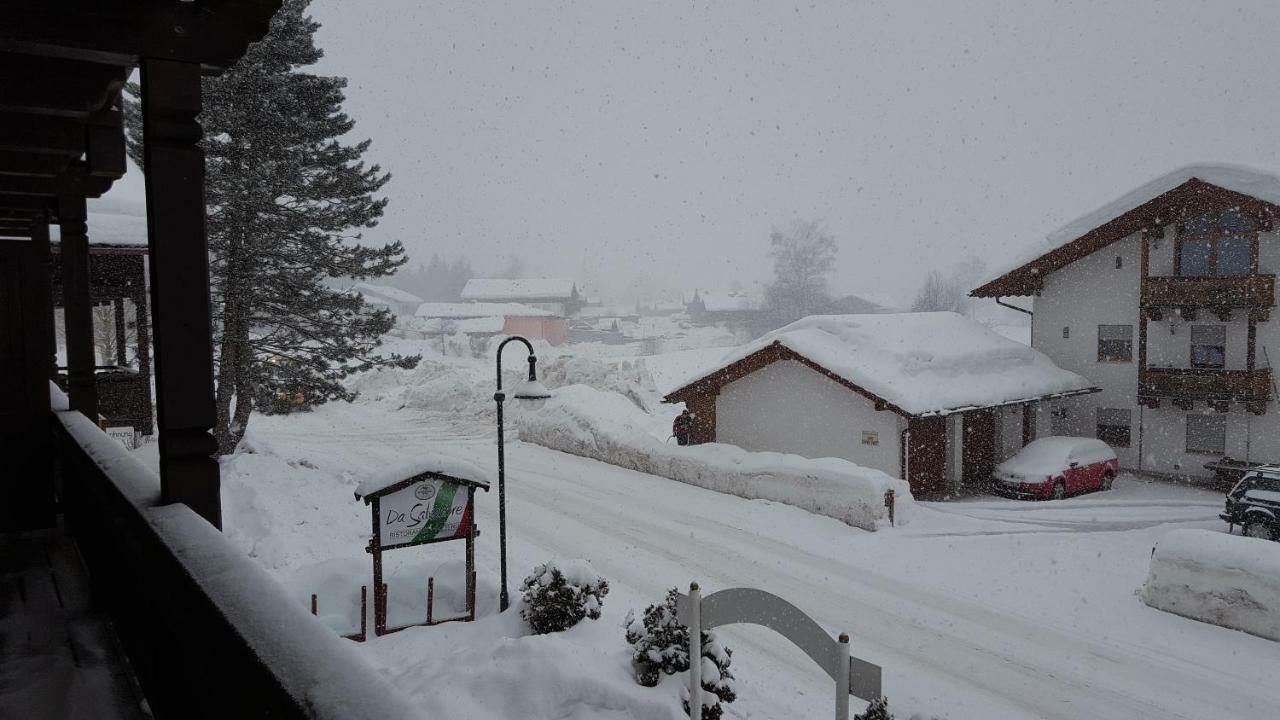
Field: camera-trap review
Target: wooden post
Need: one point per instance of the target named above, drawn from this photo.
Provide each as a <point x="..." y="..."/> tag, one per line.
<point x="695" y="652"/>
<point x="44" y="260"/>
<point x="471" y="555"/>
<point x="313" y="604"/>
<point x="122" y="352"/>
<point x="379" y="589"/>
<point x="143" y="335"/>
<point x="77" y="307"/>
<point x="431" y="597"/>
<point x="180" y="285"/>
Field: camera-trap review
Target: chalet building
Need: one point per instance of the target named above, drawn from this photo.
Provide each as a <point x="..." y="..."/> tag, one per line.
<point x="401" y="303"/>
<point x="1164" y="299"/>
<point x="931" y="397"/>
<point x="485" y="320"/>
<point x="558" y="296"/>
<point x="732" y="309"/>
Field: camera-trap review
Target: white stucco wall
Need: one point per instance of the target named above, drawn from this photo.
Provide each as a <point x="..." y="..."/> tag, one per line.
<point x="1082" y="296"/>
<point x="787" y="407"/>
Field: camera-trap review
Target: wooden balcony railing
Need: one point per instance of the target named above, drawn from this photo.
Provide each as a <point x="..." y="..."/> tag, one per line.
<point x="1221" y="385"/>
<point x="208" y="633"/>
<point x="1246" y="291"/>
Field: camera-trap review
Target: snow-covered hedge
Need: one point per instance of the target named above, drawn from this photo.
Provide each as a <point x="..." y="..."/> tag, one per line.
<point x="606" y="426"/>
<point x="1217" y="578"/>
<point x="558" y="595"/>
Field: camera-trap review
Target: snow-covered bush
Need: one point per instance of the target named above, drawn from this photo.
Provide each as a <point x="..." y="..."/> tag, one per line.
<point x="717" y="681"/>
<point x="660" y="646"/>
<point x="559" y="596"/>
<point x="878" y="709"/>
<point x="659" y="642"/>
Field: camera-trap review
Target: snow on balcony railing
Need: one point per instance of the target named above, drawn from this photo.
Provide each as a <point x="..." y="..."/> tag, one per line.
<point x="209" y="631"/>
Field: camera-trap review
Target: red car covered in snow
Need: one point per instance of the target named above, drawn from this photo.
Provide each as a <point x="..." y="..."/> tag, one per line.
<point x="1054" y="467"/>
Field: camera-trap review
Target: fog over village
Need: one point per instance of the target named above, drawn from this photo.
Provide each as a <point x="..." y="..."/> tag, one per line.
<point x="669" y="360"/>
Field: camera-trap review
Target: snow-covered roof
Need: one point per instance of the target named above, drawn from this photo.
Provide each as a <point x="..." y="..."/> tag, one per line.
<point x="922" y="363"/>
<point x="728" y="302"/>
<point x="478" y="309"/>
<point x="466" y="326"/>
<point x="553" y="289"/>
<point x="1060" y="244"/>
<point x="434" y="462"/>
<point x="1246" y="181"/>
<point x="386" y="292"/>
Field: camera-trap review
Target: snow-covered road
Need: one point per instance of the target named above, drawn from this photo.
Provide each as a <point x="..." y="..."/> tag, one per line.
<point x="979" y="609"/>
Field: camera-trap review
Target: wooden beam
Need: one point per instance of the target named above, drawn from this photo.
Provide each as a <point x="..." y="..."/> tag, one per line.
<point x="180" y="306"/>
<point x="56" y="86"/>
<point x="55" y="135"/>
<point x="33" y="164"/>
<point x="77" y="306"/>
<point x="214" y="33"/>
<point x="76" y="181"/>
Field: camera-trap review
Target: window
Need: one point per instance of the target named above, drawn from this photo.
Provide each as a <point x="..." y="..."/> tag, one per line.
<point x="1207" y="434"/>
<point x="1208" y="346"/>
<point x="1216" y="244"/>
<point x="1066" y="332"/>
<point x="1113" y="426"/>
<point x="1115" y="343"/>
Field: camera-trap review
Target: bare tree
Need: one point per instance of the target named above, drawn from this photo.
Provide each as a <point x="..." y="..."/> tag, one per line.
<point x="802" y="261"/>
<point x="104" y="334"/>
<point x="939" y="293"/>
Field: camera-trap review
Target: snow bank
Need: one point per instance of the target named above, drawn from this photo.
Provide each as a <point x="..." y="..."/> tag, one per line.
<point x="137" y="482"/>
<point x="606" y="426"/>
<point x="1217" y="578"/>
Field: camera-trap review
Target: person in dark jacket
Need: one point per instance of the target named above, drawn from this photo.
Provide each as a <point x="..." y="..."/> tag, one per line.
<point x="682" y="426"/>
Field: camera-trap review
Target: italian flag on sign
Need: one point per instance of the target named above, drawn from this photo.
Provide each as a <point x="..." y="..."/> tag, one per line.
<point x="450" y="514"/>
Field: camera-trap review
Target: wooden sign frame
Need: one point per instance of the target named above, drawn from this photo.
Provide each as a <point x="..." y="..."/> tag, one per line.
<point x="376" y="548"/>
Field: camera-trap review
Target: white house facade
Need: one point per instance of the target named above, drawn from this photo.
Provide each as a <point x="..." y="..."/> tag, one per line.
<point x="1164" y="300"/>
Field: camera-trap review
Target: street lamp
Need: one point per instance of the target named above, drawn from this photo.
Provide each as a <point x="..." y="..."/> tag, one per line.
<point x="530" y="390"/>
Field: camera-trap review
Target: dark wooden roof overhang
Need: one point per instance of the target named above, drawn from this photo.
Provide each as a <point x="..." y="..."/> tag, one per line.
<point x="775" y="351"/>
<point x="63" y="64"/>
<point x="1191" y="197"/>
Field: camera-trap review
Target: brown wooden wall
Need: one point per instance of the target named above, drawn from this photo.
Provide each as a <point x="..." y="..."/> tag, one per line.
<point x="927" y="452"/>
<point x="703" y="407"/>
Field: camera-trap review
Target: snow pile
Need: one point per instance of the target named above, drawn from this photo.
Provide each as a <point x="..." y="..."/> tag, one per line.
<point x="606" y="426"/>
<point x="936" y="362"/>
<point x="428" y="461"/>
<point x="493" y="668"/>
<point x="1217" y="578"/>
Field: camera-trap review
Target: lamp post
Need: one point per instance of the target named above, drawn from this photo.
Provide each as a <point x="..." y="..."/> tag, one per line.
<point x="528" y="390"/>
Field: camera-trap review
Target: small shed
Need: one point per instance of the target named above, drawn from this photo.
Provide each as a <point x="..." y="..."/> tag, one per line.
<point x="934" y="398"/>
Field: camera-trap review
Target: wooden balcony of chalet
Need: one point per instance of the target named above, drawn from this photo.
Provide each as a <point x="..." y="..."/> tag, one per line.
<point x="1253" y="292"/>
<point x="119" y="597"/>
<point x="1182" y="386"/>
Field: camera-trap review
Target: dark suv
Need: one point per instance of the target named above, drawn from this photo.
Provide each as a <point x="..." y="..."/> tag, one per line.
<point x="1254" y="503"/>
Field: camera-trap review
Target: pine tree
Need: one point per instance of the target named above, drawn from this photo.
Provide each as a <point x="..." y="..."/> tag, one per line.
<point x="286" y="202"/>
<point x="660" y="645"/>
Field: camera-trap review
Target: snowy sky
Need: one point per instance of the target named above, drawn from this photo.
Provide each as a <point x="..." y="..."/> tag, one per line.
<point x="650" y="146"/>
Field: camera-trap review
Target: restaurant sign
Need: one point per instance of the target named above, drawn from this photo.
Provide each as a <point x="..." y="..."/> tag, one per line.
<point x="429" y="510"/>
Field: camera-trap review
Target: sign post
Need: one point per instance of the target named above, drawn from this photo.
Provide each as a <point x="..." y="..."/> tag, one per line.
<point x="428" y="507"/>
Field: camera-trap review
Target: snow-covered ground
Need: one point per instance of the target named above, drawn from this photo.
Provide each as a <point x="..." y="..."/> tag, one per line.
<point x="978" y="609"/>
<point x="984" y="608"/>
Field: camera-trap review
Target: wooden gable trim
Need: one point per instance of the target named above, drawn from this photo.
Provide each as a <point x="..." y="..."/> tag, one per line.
<point x="1192" y="196"/>
<point x="775" y="351"/>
